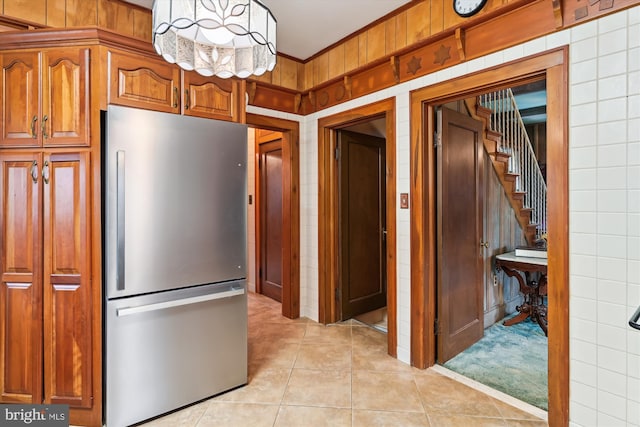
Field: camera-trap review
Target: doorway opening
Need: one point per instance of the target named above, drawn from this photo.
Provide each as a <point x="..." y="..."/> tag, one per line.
<point x="491" y="199"/>
<point x="362" y="223"/>
<point x="551" y="67"/>
<point x="269" y="213"/>
<point x="275" y="142"/>
<point x="357" y="239"/>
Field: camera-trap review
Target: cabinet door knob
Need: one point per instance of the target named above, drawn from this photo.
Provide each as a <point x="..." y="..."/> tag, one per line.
<point x="45" y="172"/>
<point x="34" y="172"/>
<point x="186" y="99"/>
<point x="34" y="135"/>
<point x="176" y="94"/>
<point x="44" y="127"/>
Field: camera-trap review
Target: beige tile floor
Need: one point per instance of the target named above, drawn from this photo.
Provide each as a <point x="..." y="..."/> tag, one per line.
<point x="304" y="374"/>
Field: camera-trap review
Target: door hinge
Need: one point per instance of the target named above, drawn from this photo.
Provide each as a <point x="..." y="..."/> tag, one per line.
<point x="336" y="153"/>
<point x="437" y="139"/>
<point x="260" y="272"/>
<point x="337" y="294"/>
<point x="436" y="327"/>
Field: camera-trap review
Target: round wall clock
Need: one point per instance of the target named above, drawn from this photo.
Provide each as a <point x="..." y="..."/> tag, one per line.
<point x="466" y="8"/>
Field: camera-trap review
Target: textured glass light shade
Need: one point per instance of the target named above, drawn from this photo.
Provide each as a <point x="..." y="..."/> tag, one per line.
<point x="221" y="37"/>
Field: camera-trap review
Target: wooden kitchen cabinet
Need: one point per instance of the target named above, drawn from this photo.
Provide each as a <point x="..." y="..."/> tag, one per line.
<point x="155" y="84"/>
<point x="142" y="82"/>
<point x="46" y="98"/>
<point x="45" y="309"/>
<point x="211" y="97"/>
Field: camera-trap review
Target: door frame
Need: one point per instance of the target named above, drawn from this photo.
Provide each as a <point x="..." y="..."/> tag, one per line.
<point x="291" y="207"/>
<point x="328" y="218"/>
<point x="552" y="65"/>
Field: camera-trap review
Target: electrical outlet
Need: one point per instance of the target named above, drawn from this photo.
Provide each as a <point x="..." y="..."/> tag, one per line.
<point x="495" y="280"/>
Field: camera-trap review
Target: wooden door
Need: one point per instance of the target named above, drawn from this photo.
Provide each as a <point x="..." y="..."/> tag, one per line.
<point x="362" y="216"/>
<point x="67" y="294"/>
<point x="270" y="216"/>
<point x="20" y="278"/>
<point x="65" y="97"/>
<point x="20" y="99"/>
<point x="210" y="97"/>
<point x="460" y="289"/>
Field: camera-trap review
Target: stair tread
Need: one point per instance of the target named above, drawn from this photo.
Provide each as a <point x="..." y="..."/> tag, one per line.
<point x="493" y="135"/>
<point x="509" y="176"/>
<point x="501" y="157"/>
<point x="518" y="195"/>
<point x="483" y="111"/>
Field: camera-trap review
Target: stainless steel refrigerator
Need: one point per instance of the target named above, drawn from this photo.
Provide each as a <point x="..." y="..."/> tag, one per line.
<point x="175" y="192"/>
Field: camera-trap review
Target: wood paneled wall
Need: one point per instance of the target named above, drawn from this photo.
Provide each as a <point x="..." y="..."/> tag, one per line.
<point x="115" y="15"/>
<point x="503" y="234"/>
<point x="410" y="35"/>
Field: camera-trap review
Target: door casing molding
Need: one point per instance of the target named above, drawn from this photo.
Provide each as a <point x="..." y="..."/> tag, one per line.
<point x="290" y="209"/>
<point x="552" y="65"/>
<point x="328" y="220"/>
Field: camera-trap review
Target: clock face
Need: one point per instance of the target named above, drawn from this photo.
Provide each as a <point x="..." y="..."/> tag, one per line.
<point x="467" y="8"/>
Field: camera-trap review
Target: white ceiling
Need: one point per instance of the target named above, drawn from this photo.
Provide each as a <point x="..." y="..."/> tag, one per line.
<point x="305" y="27"/>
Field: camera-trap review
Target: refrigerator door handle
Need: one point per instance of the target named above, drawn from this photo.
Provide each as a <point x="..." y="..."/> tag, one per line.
<point x="126" y="311"/>
<point x="120" y="212"/>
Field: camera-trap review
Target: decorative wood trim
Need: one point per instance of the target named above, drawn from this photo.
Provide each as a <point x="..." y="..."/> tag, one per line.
<point x="553" y="65"/>
<point x="489" y="32"/>
<point x="348" y="86"/>
<point x="558" y="219"/>
<point x="460" y="43"/>
<point x="298" y="103"/>
<point x="557" y="12"/>
<point x="394" y="62"/>
<point x="251" y="91"/>
<point x="328" y="211"/>
<point x="291" y="210"/>
<point x="58" y="37"/>
<point x="577" y="11"/>
<point x="312" y="99"/>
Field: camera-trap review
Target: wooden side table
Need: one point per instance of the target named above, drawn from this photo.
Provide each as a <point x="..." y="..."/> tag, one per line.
<point x="534" y="291"/>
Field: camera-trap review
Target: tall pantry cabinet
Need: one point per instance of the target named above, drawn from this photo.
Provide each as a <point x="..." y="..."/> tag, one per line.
<point x="47" y="315"/>
<point x="54" y="85"/>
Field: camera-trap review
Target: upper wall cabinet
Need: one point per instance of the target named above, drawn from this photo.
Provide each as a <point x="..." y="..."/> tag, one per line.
<point x="46" y="98"/>
<point x="141" y="82"/>
<point x="144" y="82"/>
<point x="211" y="97"/>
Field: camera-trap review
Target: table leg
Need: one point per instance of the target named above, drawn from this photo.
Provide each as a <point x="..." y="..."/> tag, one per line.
<point x="533" y="305"/>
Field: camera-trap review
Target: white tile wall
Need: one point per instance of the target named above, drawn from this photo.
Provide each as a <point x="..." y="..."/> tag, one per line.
<point x="604" y="187"/>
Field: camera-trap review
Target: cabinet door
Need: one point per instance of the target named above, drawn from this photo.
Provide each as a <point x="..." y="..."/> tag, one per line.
<point x="20" y="279"/>
<point x="210" y="97"/>
<point x="67" y="303"/>
<point x="65" y="97"/>
<point x="20" y="101"/>
<point x="141" y="82"/>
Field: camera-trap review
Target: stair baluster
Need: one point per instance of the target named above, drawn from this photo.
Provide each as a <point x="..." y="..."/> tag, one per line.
<point x="522" y="162"/>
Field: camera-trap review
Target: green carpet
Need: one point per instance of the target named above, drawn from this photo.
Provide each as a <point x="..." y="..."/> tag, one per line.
<point x="511" y="359"/>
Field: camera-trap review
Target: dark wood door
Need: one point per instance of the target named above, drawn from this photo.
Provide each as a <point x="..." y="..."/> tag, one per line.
<point x="460" y="214"/>
<point x="362" y="225"/>
<point x="270" y="219"/>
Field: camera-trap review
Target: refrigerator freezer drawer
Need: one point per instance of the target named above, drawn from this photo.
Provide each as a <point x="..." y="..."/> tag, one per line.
<point x="167" y="350"/>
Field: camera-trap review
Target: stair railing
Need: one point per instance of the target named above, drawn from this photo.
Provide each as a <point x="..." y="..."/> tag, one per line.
<point x="522" y="162"/>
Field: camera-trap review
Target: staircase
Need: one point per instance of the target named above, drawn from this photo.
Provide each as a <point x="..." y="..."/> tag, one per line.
<point x="506" y="140"/>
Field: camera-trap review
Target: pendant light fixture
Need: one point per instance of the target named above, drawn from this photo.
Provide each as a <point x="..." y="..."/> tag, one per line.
<point x="216" y="37"/>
